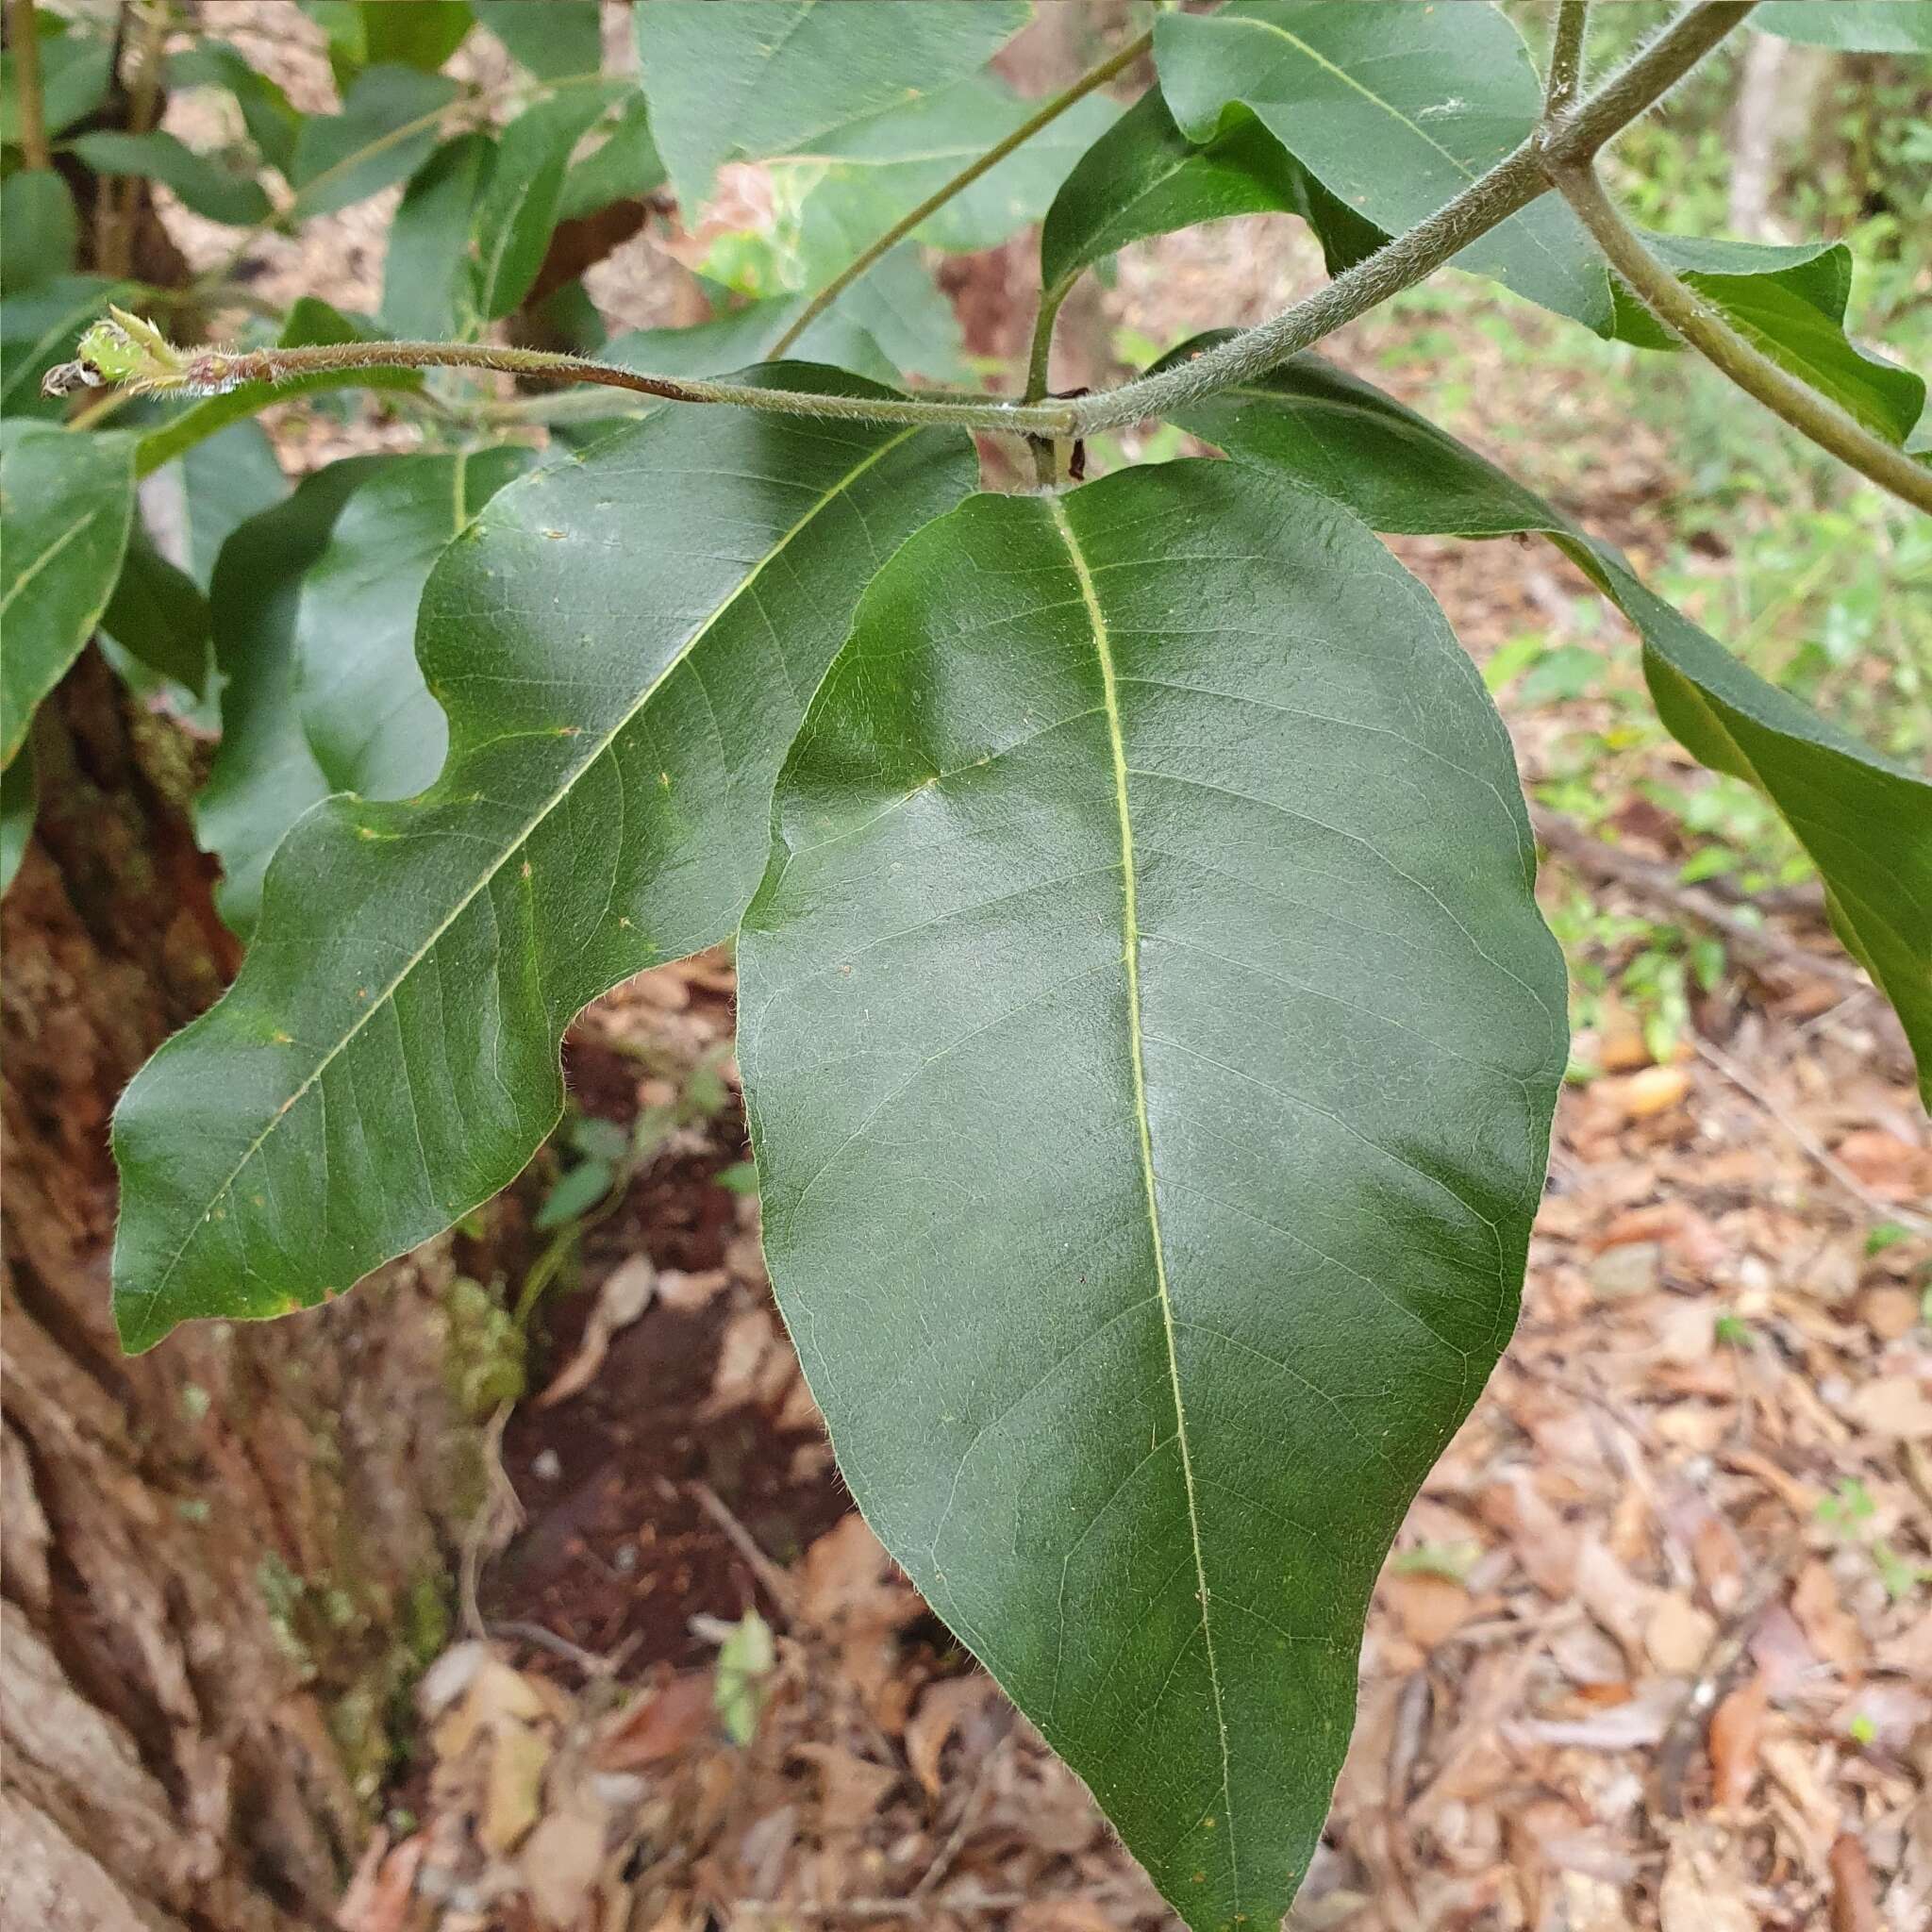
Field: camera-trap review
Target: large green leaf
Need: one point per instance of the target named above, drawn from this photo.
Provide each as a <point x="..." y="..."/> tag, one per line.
<point x="558" y="39"/>
<point x="265" y="774"/>
<point x="518" y="209"/>
<point x="66" y="501"/>
<point x="1878" y="26"/>
<point x="882" y="167"/>
<point x="1395" y="110"/>
<point x="625" y="644"/>
<point x="365" y="710"/>
<point x="1150" y="1040"/>
<point x="1865" y="821"/>
<point x="740" y="83"/>
<point x="203" y="182"/>
<point x="384" y="134"/>
<point x="1790" y="301"/>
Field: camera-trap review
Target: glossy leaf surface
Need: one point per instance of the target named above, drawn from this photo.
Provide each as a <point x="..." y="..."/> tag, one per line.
<point x="740" y="83"/>
<point x="158" y="612"/>
<point x="38" y="221"/>
<point x="1150" y="1039"/>
<point x="1395" y="110"/>
<point x="1865" y="820"/>
<point x="66" y="503"/>
<point x="625" y="644"/>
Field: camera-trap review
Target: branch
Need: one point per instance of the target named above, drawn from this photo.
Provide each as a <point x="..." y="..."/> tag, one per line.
<point x="1512" y="184"/>
<point x="1050" y="112"/>
<point x="1686" y="314"/>
<point x="107" y="351"/>
<point x="24" y="33"/>
<point x="1566" y="57"/>
<point x="130" y="351"/>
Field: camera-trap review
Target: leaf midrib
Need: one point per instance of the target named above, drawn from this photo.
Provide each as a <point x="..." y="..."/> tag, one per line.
<point x="512" y="846"/>
<point x="1131" y="961"/>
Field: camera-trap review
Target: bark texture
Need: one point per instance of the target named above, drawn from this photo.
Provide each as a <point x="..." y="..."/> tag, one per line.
<point x="218" y="1558"/>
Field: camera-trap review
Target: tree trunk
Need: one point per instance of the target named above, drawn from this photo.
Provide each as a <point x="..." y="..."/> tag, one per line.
<point x="222" y="1560"/>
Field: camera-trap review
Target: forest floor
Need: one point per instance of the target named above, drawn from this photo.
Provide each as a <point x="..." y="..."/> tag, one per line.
<point x="1655" y="1645"/>
<point x="1654" y="1648"/>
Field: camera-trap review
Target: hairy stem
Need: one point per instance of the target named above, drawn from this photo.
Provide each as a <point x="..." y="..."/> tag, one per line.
<point x="1688" y="315"/>
<point x="1567" y="143"/>
<point x="1513" y="183"/>
<point x="23" y="38"/>
<point x="1048" y="113"/>
<point x="1566" y="57"/>
<point x="215" y="372"/>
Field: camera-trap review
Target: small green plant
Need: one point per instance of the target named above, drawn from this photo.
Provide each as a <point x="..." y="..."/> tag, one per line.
<point x="1149" y="1031"/>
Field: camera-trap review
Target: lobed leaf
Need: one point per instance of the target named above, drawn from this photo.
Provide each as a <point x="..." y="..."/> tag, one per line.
<point x="1150" y="1040"/>
<point x="1790" y="301"/>
<point x="741" y="83"/>
<point x="224" y="481"/>
<point x="1865" y="821"/>
<point x="66" y="504"/>
<point x="624" y="644"/>
<point x="1394" y="111"/>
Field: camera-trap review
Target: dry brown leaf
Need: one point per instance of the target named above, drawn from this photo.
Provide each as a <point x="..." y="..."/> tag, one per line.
<point x="1896" y="1407"/>
<point x="659" y="1726"/>
<point x="1651" y="1091"/>
<point x="1829" y="1629"/>
<point x="1702" y="1887"/>
<point x="513" y="1784"/>
<point x="1064" y="1915"/>
<point x="1544" y="1544"/>
<point x="1677" y="1633"/>
<point x="381" y="1895"/>
<point x="941" y="1711"/>
<point x="626" y="1295"/>
<point x="1887" y="1164"/>
<point x="1854" y="1896"/>
<point x="1888" y="1311"/>
<point x="851" y="1789"/>
<point x="1431" y="1608"/>
<point x="1736" y="1736"/>
<point x="560" y="1862"/>
<point x="687" y="1292"/>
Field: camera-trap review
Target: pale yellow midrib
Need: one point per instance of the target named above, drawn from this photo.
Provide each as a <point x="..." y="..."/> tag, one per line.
<point x="543" y="813"/>
<point x="1131" y="958"/>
